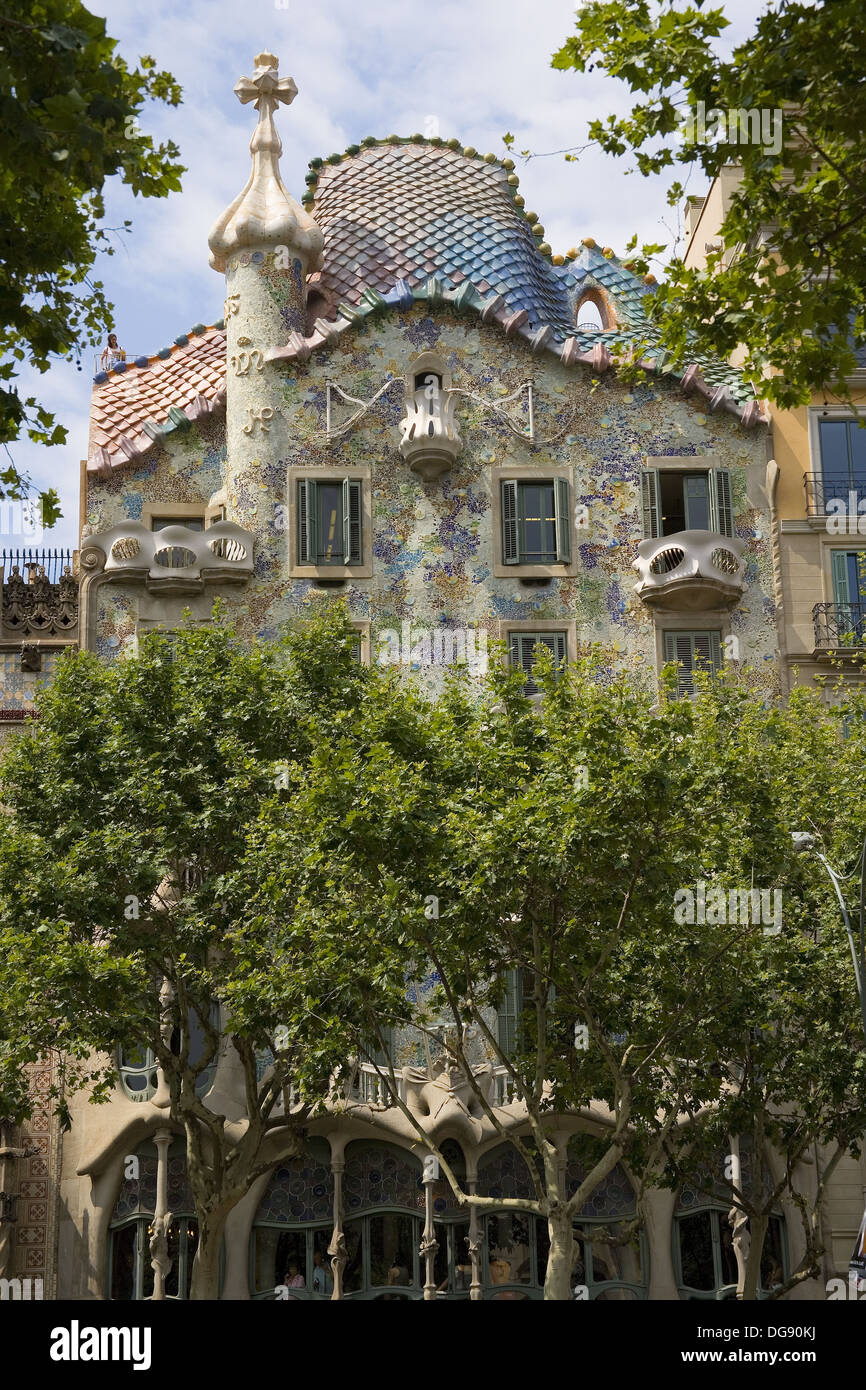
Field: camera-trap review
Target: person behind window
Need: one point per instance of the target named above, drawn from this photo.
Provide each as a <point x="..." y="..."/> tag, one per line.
<point x="111" y="353"/>
<point x="322" y="1281"/>
<point x="294" y="1279"/>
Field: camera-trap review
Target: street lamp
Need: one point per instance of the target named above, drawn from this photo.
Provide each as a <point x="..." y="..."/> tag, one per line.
<point x="805" y="841"/>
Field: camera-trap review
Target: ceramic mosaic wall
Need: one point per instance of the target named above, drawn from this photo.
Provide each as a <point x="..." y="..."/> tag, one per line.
<point x="433" y="543"/>
<point x="17" y="687"/>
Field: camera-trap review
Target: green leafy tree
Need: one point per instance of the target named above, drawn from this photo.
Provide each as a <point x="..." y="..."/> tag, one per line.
<point x="491" y="840"/>
<point x="69" y="119"/>
<point x="128" y="807"/>
<point x="786" y="284"/>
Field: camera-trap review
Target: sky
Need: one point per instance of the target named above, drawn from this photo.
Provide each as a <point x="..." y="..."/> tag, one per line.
<point x="481" y="67"/>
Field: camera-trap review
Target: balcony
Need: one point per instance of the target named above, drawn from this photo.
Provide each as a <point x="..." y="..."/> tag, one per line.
<point x="836" y="495"/>
<point x="174" y="559"/>
<point x="40" y="595"/>
<point x="430" y="441"/>
<point x="691" y="570"/>
<point x="839" y="627"/>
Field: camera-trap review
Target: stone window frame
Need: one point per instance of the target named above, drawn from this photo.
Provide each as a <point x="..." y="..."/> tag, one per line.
<point x="357" y="472"/>
<point x="524" y="473"/>
<point x="699" y="620"/>
<point x="152" y="511"/>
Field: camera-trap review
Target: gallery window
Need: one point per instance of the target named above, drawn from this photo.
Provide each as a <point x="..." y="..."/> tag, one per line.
<point x="705" y="1261"/>
<point x="137" y="1064"/>
<point x="293" y="1226"/>
<point x="130" y="1271"/>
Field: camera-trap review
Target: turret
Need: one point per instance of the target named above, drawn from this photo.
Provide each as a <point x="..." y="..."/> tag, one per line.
<point x="266" y="244"/>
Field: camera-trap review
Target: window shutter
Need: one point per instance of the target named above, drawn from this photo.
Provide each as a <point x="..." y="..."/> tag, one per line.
<point x="562" y="512"/>
<point x="651" y="503"/>
<point x="509" y="1013"/>
<point x="707" y="648"/>
<point x="352" y="521"/>
<point x="841" y="587"/>
<point x="510" y="548"/>
<point x="690" y="649"/>
<point x="307" y="554"/>
<point x="721" y="512"/>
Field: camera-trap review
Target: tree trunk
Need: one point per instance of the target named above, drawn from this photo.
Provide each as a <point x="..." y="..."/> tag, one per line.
<point x="757" y="1230"/>
<point x="557" y="1282"/>
<point x="206" y="1265"/>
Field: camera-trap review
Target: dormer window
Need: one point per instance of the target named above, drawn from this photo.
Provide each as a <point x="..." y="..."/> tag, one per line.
<point x="589" y="316"/>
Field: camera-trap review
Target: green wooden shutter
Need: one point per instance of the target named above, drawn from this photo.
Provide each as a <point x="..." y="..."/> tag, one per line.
<point x="508" y="1019"/>
<point x="652" y="509"/>
<point x="691" y="649"/>
<point x="523" y="645"/>
<point x="352" y="521"/>
<point x="841" y="587"/>
<point x="721" y="509"/>
<point x="562" y="513"/>
<point x="307" y="553"/>
<point x="510" y="547"/>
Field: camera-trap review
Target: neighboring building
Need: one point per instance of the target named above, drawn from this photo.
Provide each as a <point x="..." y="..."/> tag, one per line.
<point x="409" y="403"/>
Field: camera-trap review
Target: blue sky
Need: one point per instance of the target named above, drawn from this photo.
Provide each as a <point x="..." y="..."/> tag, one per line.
<point x="482" y="67"/>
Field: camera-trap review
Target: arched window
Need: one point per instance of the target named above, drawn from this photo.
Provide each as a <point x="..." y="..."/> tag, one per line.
<point x="130" y="1272"/>
<point x="589" y="315"/>
<point x="516" y="1244"/>
<point x="383" y="1199"/>
<point x="292" y="1227"/>
<point x="704" y="1257"/>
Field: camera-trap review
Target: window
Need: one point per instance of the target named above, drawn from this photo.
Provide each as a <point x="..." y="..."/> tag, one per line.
<point x="842" y="445"/>
<point x="137" y="1065"/>
<point x="705" y="1260"/>
<point x="849" y="595"/>
<point x="292" y="1227"/>
<point x="536" y="521"/>
<point x="192" y="523"/>
<point x="522" y="652"/>
<point x="130" y="1272"/>
<point x="678" y="500"/>
<point x="588" y="316"/>
<point x="329" y="521"/>
<point x="693" y="651"/>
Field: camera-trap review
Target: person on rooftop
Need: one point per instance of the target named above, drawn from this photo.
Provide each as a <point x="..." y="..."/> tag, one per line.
<point x="111" y="353"/>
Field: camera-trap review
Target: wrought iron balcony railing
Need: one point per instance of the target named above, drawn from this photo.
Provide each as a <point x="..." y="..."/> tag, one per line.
<point x="839" y="626"/>
<point x="835" y="494"/>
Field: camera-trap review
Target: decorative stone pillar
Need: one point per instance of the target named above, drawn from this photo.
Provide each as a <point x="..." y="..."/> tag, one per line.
<point x="266" y="244"/>
<point x="474" y="1243"/>
<point x="429" y="1243"/>
<point x="337" y="1249"/>
<point x="162" y="1217"/>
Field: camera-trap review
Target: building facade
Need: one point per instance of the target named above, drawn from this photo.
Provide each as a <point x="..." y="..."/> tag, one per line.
<point x="410" y="404"/>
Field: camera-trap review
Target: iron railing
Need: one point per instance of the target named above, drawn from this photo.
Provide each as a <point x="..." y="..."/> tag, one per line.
<point x="836" y="494"/>
<point x="839" y="625"/>
<point x="52" y="561"/>
<point x="100" y="366"/>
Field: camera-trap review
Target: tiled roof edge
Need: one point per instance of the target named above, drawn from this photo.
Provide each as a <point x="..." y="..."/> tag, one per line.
<point x="493" y="309"/>
<point x="198" y="330"/>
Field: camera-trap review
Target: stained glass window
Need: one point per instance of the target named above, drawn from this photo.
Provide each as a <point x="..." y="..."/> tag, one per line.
<point x="381" y="1175"/>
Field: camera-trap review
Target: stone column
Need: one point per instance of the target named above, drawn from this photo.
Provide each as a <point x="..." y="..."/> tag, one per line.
<point x="474" y="1243"/>
<point x="161" y="1217"/>
<point x="337" y="1248"/>
<point x="429" y="1243"/>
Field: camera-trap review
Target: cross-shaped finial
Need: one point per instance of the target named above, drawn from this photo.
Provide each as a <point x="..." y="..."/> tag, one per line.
<point x="265" y="87"/>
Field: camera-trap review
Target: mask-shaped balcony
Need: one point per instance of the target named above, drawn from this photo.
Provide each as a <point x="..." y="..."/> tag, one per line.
<point x="174" y="559"/>
<point x="691" y="570"/>
<point x="430" y="442"/>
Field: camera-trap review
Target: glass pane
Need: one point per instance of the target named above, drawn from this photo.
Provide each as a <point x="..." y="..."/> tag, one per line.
<point x="537" y="523"/>
<point x="461" y="1271"/>
<point x="508" y="1237"/>
<point x="135" y="1057"/>
<point x="771" y="1256"/>
<point x="144" y="1235"/>
<point x="192" y="523"/>
<point x="833" y="435"/>
<point x="292" y="1259"/>
<point x="857" y="442"/>
<point x="322" y="1280"/>
<point x="673" y="516"/>
<point x="171" y="1279"/>
<point x="542" y="1249"/>
<point x="191" y="1247"/>
<point x="696" y="1251"/>
<point x="442" y="1259"/>
<point x="726" y="1243"/>
<point x="329" y="498"/>
<point x="353" y="1274"/>
<point x="123" y="1264"/>
<point x="392" y="1241"/>
<point x="265" y="1239"/>
<point x="697" y="501"/>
